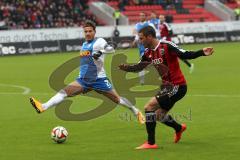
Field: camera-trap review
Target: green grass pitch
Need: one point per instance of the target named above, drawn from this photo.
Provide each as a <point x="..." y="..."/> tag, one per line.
<point x="210" y="110"/>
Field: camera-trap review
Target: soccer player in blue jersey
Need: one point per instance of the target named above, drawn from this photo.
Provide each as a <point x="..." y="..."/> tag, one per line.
<point x="92" y="75"/>
<point x="156" y="22"/>
<point x="141" y="24"/>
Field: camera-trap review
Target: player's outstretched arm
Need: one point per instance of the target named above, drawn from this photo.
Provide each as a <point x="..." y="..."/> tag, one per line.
<point x="184" y="54"/>
<point x="135" y="67"/>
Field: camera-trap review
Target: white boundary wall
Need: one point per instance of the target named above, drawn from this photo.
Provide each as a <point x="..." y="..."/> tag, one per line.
<point x="31" y="35"/>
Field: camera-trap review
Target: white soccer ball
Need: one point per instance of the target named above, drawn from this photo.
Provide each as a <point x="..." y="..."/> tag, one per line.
<point x="59" y="134"/>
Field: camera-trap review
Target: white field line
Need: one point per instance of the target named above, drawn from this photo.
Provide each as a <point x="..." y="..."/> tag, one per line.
<point x="25" y="89"/>
<point x="216" y="95"/>
<point x="27" y="92"/>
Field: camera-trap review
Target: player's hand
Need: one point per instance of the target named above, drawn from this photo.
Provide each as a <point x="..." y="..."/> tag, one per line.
<point x="96" y="55"/>
<point x="208" y="51"/>
<point x="122" y="67"/>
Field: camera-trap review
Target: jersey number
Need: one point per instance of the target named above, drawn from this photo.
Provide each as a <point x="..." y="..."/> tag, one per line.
<point x="108" y="83"/>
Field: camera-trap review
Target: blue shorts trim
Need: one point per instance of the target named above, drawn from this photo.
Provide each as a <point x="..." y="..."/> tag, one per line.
<point x="100" y="84"/>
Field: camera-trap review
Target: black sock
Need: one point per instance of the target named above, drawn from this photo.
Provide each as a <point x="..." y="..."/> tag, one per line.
<point x="187" y="63"/>
<point x="169" y="121"/>
<point x="150" y="126"/>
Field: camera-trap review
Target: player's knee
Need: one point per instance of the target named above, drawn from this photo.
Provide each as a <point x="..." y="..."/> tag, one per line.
<point x="161" y="116"/>
<point x="68" y="93"/>
<point x="116" y="100"/>
<point x="149" y="107"/>
<point x="65" y="91"/>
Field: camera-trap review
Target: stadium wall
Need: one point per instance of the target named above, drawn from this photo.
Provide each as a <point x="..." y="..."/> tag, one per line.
<point x="70" y="39"/>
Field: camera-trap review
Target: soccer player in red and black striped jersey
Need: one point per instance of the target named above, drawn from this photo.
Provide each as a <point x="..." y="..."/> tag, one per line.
<point x="163" y="54"/>
<point x="165" y="30"/>
<point x="166" y="33"/>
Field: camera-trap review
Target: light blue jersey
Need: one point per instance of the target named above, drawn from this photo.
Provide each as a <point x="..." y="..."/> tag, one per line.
<point x="155" y="22"/>
<point x="141" y="25"/>
<point x="92" y="74"/>
<point x="138" y="27"/>
<point x="88" y="70"/>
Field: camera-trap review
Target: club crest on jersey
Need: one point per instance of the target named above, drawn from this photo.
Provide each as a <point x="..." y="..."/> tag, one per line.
<point x="84" y="53"/>
<point x="162" y="51"/>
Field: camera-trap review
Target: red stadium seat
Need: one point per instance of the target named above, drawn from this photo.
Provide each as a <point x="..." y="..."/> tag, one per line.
<point x="195" y="7"/>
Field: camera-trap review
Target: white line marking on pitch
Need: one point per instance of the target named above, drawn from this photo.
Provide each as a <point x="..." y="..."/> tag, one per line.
<point x="193" y="95"/>
<point x="26" y="90"/>
<point x="216" y="95"/>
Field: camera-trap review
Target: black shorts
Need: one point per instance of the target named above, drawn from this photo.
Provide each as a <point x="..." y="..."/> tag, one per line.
<point x="169" y="95"/>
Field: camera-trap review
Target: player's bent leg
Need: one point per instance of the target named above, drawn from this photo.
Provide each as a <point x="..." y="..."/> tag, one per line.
<point x="72" y="89"/>
<point x="166" y="102"/>
<point x="113" y="95"/>
<point x="178" y="135"/>
<point x="151" y="105"/>
<point x="167" y="119"/>
<point x="161" y="114"/>
<point x="141" y="76"/>
<point x="190" y="65"/>
<point x="191" y="69"/>
<point x="150" y="114"/>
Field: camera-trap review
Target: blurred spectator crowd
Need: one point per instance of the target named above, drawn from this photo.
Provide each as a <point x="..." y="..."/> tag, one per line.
<point x="23" y="14"/>
<point x="166" y="4"/>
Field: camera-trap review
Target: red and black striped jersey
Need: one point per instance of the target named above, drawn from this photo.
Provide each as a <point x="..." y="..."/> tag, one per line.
<point x="165" y="59"/>
<point x="165" y="31"/>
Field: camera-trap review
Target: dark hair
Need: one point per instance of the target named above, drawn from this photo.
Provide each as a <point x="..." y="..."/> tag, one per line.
<point x="148" y="30"/>
<point x="90" y="23"/>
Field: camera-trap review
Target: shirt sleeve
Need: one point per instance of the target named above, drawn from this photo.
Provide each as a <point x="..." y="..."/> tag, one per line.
<point x="143" y="63"/>
<point x="183" y="54"/>
<point x="98" y="46"/>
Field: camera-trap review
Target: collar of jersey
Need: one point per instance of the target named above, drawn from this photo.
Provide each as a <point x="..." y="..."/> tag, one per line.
<point x="90" y="41"/>
<point x="156" y="46"/>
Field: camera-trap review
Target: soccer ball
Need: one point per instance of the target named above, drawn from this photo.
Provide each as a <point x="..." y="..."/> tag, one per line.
<point x="59" y="134"/>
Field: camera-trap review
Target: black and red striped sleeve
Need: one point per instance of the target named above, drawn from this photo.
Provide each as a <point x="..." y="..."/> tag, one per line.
<point x="181" y="53"/>
<point x="143" y="63"/>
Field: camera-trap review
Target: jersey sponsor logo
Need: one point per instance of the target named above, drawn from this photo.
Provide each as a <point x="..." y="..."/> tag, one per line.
<point x="157" y="61"/>
<point x="84" y="53"/>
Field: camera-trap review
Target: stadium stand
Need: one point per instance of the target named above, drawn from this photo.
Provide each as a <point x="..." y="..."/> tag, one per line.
<point x="234" y="5"/>
<point x="180" y="10"/>
<point x="19" y="14"/>
<point x="231" y="3"/>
